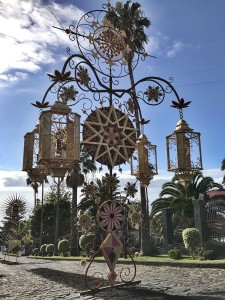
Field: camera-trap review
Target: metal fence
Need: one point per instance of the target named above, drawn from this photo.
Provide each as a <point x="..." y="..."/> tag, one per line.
<point x="215" y="220"/>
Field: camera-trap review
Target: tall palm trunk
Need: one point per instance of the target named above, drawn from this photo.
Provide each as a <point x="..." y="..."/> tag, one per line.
<point x="57" y="216"/>
<point x="145" y="226"/>
<point x="74" y="251"/>
<point x="73" y="180"/>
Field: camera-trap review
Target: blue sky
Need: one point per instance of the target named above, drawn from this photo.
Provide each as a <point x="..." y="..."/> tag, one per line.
<point x="187" y="37"/>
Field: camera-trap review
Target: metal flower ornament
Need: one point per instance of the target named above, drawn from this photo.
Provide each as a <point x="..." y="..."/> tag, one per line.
<point x="15" y="209"/>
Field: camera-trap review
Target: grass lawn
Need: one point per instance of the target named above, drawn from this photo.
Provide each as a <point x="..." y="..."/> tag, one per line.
<point x="148" y="259"/>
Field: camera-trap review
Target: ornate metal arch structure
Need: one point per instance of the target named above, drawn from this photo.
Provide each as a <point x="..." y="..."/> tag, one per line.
<point x="91" y="80"/>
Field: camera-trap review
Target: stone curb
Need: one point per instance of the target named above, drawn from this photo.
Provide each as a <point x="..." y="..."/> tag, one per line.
<point x="149" y="263"/>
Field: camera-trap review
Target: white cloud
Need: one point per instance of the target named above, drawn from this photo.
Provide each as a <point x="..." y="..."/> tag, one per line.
<point x="153" y="45"/>
<point x="27" y="38"/>
<point x="176" y="47"/>
<point x="15" y="182"/>
<point x="160" y="44"/>
<point x="13" y="77"/>
<point x="12" y="179"/>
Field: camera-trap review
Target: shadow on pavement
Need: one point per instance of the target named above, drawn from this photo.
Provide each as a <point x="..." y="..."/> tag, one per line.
<point x="77" y="281"/>
<point x="146" y="293"/>
<point x="73" y="280"/>
<point x="8" y="262"/>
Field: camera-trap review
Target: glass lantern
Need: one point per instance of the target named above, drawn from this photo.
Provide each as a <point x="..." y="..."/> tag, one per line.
<point x="184" y="152"/>
<point x="59" y="144"/>
<point x="144" y="163"/>
<point x="37" y="172"/>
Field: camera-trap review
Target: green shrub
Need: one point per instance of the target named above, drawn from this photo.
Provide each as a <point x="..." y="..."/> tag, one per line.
<point x="207" y="254"/>
<point x="26" y="240"/>
<point x="192" y="239"/>
<point x="63" y="247"/>
<point x="86" y="242"/>
<point x="175" y="253"/>
<point x="43" y="249"/>
<point x="50" y="249"/>
<point x="35" y="251"/>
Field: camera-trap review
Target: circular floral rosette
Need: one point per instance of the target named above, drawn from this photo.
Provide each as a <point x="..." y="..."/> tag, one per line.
<point x="111" y="216"/>
<point x="135" y="216"/>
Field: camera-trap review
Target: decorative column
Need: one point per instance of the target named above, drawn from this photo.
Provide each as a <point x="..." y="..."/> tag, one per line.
<point x="200" y="217"/>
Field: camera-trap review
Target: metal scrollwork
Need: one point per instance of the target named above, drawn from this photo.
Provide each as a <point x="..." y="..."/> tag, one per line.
<point x="127" y="274"/>
<point x="95" y="279"/>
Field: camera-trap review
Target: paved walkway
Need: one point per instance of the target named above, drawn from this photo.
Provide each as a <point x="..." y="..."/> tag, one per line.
<point x="47" y="280"/>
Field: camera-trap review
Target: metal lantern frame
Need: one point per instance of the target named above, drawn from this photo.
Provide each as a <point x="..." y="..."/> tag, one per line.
<point x="37" y="172"/>
<point x="146" y="161"/>
<point x="187" y="147"/>
<point x="59" y="144"/>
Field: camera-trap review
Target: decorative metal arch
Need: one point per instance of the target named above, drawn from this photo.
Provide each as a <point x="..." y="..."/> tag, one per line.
<point x="92" y="78"/>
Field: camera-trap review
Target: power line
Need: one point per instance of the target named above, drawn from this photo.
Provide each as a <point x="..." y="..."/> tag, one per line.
<point x="198" y="71"/>
<point x="202" y="83"/>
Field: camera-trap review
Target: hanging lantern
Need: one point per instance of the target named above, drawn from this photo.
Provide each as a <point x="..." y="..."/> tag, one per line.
<point x="184" y="152"/>
<point x="36" y="172"/>
<point x="146" y="160"/>
<point x="59" y="146"/>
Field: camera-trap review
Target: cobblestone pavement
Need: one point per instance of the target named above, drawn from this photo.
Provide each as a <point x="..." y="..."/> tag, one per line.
<point x="44" y="279"/>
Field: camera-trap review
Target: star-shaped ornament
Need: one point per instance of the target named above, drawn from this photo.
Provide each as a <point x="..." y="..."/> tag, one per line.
<point x="109" y="136"/>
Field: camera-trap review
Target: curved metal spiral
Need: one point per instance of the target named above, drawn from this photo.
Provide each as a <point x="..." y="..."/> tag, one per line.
<point x="95" y="280"/>
<point x="126" y="274"/>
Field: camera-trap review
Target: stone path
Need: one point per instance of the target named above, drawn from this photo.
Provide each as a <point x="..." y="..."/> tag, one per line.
<point x="35" y="279"/>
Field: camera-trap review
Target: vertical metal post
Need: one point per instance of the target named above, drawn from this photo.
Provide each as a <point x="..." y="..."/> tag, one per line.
<point x="35" y="199"/>
<point x="125" y="230"/>
<point x="60" y="179"/>
<point x="42" y="202"/>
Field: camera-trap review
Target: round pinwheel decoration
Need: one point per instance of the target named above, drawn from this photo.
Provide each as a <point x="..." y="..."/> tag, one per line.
<point x="111" y="216"/>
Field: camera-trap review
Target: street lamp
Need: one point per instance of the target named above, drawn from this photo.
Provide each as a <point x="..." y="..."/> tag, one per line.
<point x="59" y="145"/>
<point x="184" y="150"/>
<point x="146" y="161"/>
<point x="37" y="173"/>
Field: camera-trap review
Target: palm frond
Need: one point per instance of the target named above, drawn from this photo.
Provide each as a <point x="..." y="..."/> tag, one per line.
<point x="223" y="165"/>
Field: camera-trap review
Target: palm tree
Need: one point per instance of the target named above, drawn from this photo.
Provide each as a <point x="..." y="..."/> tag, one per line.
<point x="179" y="198"/>
<point x="130" y="19"/>
<point x="35" y="186"/>
<point x="101" y="194"/>
<point x="223" y="169"/>
<point x="73" y="180"/>
<point x="91" y="203"/>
